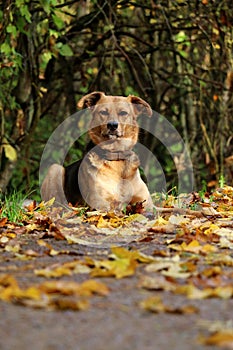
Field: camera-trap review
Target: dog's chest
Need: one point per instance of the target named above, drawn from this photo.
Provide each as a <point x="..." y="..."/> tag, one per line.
<point x="108" y="181"/>
<point x="114" y="181"/>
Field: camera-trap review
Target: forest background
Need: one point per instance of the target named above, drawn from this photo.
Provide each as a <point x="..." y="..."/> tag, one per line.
<point x="177" y="55"/>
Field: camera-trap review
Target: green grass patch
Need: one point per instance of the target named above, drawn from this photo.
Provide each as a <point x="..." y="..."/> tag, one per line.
<point x="11" y="207"/>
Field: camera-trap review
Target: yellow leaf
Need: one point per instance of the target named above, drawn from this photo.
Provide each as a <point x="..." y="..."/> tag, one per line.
<point x="225" y="292"/>
<point x="50" y="202"/>
<point x="86" y="288"/>
<point x="136" y="217"/>
<point x="102" y="223"/>
<point x="10" y="151"/>
<point x="193" y="246"/>
<point x="90" y="287"/>
<point x="161" y="221"/>
<point x="153" y="304"/>
<point x="208" y="248"/>
<point x="120" y="253"/>
<point x="192" y="292"/>
<point x="118" y="268"/>
<point x="12" y="248"/>
<point x="211" y="229"/>
<point x="14" y="293"/>
<point x="8" y="280"/>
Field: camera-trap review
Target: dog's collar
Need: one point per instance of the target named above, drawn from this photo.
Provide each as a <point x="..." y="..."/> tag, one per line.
<point x="120" y="155"/>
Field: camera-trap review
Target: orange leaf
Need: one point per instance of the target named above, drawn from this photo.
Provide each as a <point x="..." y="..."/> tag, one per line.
<point x="220" y="338"/>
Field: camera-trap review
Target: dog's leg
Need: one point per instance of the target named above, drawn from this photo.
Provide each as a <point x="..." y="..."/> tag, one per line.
<point x="53" y="185"/>
<point x="141" y="193"/>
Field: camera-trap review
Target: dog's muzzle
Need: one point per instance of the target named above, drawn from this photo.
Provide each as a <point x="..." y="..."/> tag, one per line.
<point x="112" y="131"/>
<point x="112" y="125"/>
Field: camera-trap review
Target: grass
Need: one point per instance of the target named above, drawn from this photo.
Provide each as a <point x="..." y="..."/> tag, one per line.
<point x="11" y="207"/>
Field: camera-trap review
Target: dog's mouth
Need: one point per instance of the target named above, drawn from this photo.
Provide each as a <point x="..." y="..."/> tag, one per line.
<point x="111" y="135"/>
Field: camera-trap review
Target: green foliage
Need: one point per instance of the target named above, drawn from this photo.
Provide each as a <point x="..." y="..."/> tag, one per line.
<point x="11" y="206"/>
<point x="175" y="55"/>
<point x="222" y="182"/>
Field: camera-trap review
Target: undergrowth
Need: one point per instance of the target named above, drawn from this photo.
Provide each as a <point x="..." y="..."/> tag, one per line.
<point x="11" y="206"/>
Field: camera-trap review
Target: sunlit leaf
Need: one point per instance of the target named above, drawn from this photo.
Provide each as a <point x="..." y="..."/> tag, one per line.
<point x="118" y="268"/>
<point x="10" y="151"/>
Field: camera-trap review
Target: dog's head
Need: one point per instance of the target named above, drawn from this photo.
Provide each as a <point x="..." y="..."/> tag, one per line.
<point x="114" y="119"/>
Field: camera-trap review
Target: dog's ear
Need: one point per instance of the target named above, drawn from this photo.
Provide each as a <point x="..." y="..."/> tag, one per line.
<point x="141" y="107"/>
<point x="90" y="100"/>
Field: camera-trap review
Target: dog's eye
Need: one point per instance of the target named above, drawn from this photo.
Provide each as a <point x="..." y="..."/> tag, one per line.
<point x="104" y="112"/>
<point x="123" y="113"/>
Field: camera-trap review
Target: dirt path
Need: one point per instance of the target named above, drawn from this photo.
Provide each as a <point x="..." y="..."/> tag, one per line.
<point x="107" y="282"/>
<point x="114" y="321"/>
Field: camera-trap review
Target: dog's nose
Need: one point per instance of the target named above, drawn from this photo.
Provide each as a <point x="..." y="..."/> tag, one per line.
<point x="113" y="125"/>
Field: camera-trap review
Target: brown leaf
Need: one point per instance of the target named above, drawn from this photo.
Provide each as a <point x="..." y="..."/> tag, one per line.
<point x="68" y="304"/>
<point x="3" y="222"/>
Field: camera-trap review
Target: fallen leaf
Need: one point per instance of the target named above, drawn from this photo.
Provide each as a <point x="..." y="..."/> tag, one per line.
<point x="68" y="304"/>
<point x="53" y="272"/>
<point x="178" y="220"/>
<point x="156" y="283"/>
<point x="66" y="269"/>
<point x="87" y="288"/>
<point x="225" y="243"/>
<point x="118" y="268"/>
<point x="3" y="222"/>
<point x="155" y="304"/>
<point x="220" y="338"/>
<point x="193" y="292"/>
<point x="193" y="247"/>
<point x="175" y="271"/>
<point x="212" y="229"/>
<point x="119" y="253"/>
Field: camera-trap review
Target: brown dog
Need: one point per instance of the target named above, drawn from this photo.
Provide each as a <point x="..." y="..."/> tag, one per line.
<point x="108" y="177"/>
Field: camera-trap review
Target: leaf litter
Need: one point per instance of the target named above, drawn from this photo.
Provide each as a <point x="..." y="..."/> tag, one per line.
<point x="180" y="251"/>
